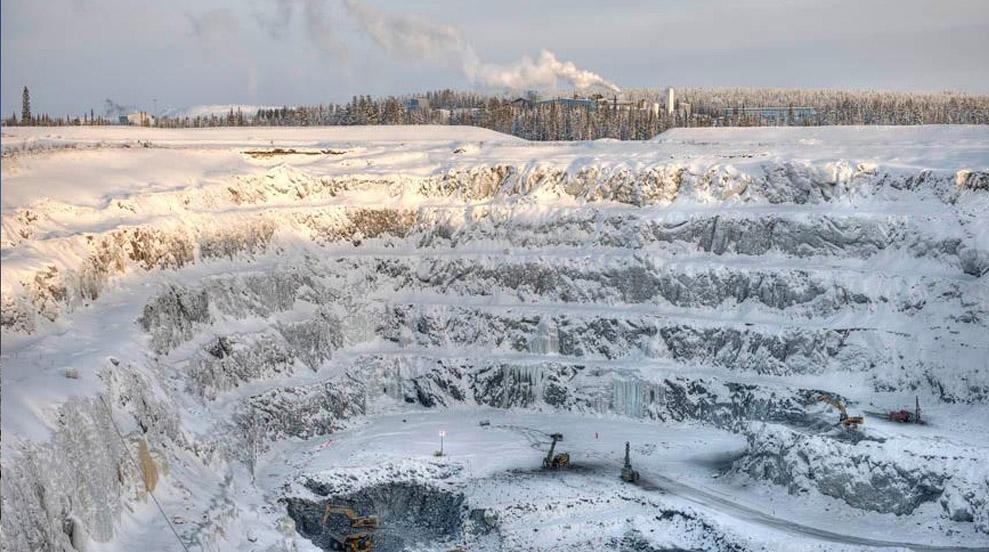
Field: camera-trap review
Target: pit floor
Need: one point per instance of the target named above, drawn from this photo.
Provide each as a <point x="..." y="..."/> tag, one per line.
<point x="682" y="464"/>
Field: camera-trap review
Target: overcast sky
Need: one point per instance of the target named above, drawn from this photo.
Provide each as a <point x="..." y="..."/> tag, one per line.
<point x="73" y="54"/>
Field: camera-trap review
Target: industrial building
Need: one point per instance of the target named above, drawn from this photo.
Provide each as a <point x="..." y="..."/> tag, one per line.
<point x="138" y="118"/>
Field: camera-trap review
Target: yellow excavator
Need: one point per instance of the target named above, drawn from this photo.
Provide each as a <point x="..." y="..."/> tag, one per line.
<point x="362" y="541"/>
<point x="559" y="461"/>
<point x="356" y="521"/>
<point x="846" y="421"/>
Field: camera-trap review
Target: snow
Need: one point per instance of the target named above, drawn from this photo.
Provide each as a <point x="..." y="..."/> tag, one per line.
<point x="220" y="110"/>
<point x="192" y="155"/>
<point x="282" y="312"/>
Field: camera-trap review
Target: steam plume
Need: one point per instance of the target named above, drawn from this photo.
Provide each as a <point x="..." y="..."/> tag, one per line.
<point x="416" y="38"/>
<point x="543" y="72"/>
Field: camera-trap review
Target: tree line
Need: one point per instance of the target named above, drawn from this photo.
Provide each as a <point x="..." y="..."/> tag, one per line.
<point x="638" y="114"/>
<point x="28" y="118"/>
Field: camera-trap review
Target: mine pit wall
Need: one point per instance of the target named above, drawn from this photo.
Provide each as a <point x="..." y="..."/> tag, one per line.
<point x="46" y="507"/>
<point x="220" y="366"/>
<point x="414" y="513"/>
<point x="869" y="475"/>
<point x="764" y="351"/>
<point x="344" y="317"/>
<point x="225" y="362"/>
<point x="53" y="288"/>
<point x="59" y="494"/>
<point x="570" y="385"/>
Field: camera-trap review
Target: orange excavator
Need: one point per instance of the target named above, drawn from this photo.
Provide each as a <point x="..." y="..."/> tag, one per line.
<point x="362" y="541"/>
<point x="846" y="421"/>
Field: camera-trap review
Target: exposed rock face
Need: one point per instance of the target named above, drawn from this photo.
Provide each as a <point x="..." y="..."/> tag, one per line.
<point x="868" y="474"/>
<point x="416" y="514"/>
<point x="305" y="412"/>
<point x="173" y="317"/>
<point x="44" y="492"/>
<point x="420" y="504"/>
<point x="580" y="387"/>
<point x="209" y="226"/>
<point x="598" y="335"/>
<point x="279" y="311"/>
<point x="74" y="487"/>
<point x="229" y="362"/>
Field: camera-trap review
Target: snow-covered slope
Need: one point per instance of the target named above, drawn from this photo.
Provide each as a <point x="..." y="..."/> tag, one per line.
<point x="230" y="299"/>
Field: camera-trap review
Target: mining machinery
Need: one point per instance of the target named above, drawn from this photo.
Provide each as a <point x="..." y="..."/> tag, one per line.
<point x="356" y="521"/>
<point x="354" y="542"/>
<point x="559" y="461"/>
<point x="902" y="416"/>
<point x="628" y="474"/>
<point x="846" y="421"/>
<point x="362" y="541"/>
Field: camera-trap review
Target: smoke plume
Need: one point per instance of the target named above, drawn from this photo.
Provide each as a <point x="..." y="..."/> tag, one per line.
<point x="113" y="109"/>
<point x="318" y="21"/>
<point x="543" y="72"/>
<point x="411" y="37"/>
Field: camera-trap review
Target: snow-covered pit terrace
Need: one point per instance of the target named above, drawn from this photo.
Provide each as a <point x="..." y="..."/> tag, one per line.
<point x="275" y="319"/>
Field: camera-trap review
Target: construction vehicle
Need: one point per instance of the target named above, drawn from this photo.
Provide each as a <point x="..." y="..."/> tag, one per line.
<point x="628" y="474"/>
<point x="560" y="461"/>
<point x="355" y="542"/>
<point x="356" y="521"/>
<point x="846" y="421"/>
<point x="361" y="541"/>
<point x="902" y="416"/>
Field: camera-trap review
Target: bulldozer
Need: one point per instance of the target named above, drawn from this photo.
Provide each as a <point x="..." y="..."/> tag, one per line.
<point x="558" y="462"/>
<point x="628" y="474"/>
<point x="356" y="521"/>
<point x="846" y="421"/>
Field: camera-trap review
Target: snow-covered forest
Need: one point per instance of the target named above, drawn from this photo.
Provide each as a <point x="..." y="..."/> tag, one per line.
<point x="632" y="115"/>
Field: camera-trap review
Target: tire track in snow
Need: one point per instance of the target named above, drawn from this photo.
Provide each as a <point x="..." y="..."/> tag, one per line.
<point x="710" y="500"/>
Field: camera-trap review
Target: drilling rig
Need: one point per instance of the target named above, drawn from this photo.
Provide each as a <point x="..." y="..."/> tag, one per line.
<point x="903" y="415"/>
<point x="628" y="474"/>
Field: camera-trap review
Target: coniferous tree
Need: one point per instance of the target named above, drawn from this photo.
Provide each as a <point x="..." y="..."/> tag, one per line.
<point x="634" y="117"/>
<point x="26" y="107"/>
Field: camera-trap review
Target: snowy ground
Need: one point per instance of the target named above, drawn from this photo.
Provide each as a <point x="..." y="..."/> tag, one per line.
<point x="288" y="316"/>
<point x="681" y="464"/>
